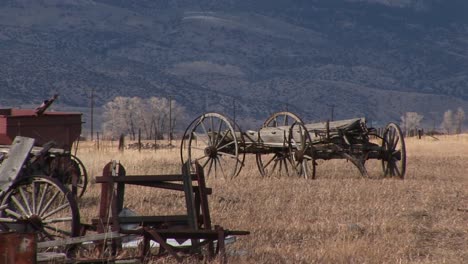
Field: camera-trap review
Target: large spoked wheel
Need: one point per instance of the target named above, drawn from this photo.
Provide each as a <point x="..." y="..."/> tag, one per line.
<point x="70" y="171"/>
<point x="82" y="182"/>
<point x="214" y="142"/>
<point x="302" y="151"/>
<point x="282" y="119"/>
<point x="278" y="161"/>
<point x="40" y="204"/>
<point x="394" y="152"/>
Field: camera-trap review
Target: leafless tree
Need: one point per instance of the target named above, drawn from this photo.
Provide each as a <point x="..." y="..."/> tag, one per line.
<point x="459" y="119"/>
<point x="128" y="115"/>
<point x="411" y="121"/>
<point x="447" y="122"/>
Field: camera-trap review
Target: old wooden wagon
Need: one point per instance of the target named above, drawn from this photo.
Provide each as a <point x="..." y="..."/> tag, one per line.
<point x="285" y="145"/>
<point x="56" y="130"/>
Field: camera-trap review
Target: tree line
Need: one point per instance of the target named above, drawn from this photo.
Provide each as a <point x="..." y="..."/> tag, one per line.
<point x="452" y="121"/>
<point x="153" y="117"/>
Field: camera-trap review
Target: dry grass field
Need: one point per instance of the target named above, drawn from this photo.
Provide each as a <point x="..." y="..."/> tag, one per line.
<point x="338" y="218"/>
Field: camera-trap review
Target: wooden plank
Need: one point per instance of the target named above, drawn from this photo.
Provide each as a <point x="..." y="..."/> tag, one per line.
<point x="79" y="240"/>
<point x="133" y="179"/>
<point x="189" y="199"/>
<point x="335" y="125"/>
<point x="15" y="160"/>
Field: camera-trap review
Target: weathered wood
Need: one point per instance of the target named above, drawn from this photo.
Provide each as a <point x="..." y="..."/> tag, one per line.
<point x="80" y="239"/>
<point x="15" y="160"/>
<point x="335" y="125"/>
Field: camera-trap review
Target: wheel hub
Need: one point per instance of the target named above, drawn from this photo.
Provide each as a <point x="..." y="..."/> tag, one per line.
<point x="36" y="222"/>
<point x="211" y="151"/>
<point x="298" y="156"/>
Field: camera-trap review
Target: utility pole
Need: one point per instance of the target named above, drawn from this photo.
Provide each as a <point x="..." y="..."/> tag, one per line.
<point x="92" y="112"/>
<point x="170" y="120"/>
<point x="234" y="109"/>
<point x="332" y="112"/>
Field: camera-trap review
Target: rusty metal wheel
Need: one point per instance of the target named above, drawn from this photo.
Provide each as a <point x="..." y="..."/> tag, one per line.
<point x="393" y="152"/>
<point x="278" y="161"/>
<point x="215" y="143"/>
<point x="40" y="204"/>
<point x="302" y="151"/>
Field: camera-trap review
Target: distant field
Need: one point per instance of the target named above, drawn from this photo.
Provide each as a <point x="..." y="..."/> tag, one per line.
<point x="338" y="218"/>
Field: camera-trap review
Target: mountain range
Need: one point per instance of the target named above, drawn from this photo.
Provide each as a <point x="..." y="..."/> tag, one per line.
<point x="372" y="58"/>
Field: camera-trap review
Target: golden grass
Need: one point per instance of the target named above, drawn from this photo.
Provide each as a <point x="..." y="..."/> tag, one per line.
<point x="338" y="218"/>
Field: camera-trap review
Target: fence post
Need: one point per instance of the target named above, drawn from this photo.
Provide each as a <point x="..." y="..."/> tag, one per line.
<point x="97" y="140"/>
<point x="139" y="139"/>
<point x="121" y="142"/>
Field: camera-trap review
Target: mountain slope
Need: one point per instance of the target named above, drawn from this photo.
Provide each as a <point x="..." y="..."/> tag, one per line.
<point x="371" y="58"/>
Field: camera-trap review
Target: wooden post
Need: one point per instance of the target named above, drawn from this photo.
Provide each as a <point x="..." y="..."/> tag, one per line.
<point x="121" y="142"/>
<point x="139" y="140"/>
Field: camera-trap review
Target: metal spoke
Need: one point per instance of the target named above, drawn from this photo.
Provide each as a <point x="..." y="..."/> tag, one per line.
<point x="25" y="200"/>
<point x="58" y="209"/>
<point x="206" y="132"/>
<point x="227" y="154"/>
<point x="206" y="162"/>
<point x="34" y="192"/>
<point x="7" y="220"/>
<point x="44" y="191"/>
<point x="218" y="133"/>
<point x="200" y="158"/>
<point x="209" y="169"/>
<point x="46" y="207"/>
<point x="222" y="138"/>
<point x="19" y="205"/>
<point x="13" y="213"/>
<point x="57" y="230"/>
<point x="230" y="143"/>
<point x="213" y="141"/>
<point x="58" y="220"/>
<point x="221" y="167"/>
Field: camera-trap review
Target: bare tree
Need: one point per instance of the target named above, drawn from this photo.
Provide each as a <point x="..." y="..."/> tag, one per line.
<point x="128" y="115"/>
<point x="459" y="119"/>
<point x="447" y="122"/>
<point x="411" y="121"/>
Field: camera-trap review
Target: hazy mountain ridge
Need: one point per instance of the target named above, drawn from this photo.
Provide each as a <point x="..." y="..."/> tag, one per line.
<point x="376" y="59"/>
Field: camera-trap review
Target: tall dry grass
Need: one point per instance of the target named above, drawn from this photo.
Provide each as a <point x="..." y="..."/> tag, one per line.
<point x="338" y="218"/>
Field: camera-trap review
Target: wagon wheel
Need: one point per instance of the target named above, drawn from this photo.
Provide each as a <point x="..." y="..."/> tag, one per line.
<point x="302" y="151"/>
<point x="282" y="119"/>
<point x="82" y="183"/>
<point x="42" y="205"/>
<point x="394" y="151"/>
<point x="215" y="144"/>
<point x="70" y="171"/>
<point x="279" y="162"/>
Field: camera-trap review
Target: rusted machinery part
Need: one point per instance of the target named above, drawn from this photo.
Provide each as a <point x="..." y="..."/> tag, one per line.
<point x="394" y="152"/>
<point x="214" y="141"/>
<point x="42" y="205"/>
<point x="70" y="171"/>
<point x="302" y="150"/>
<point x="283" y="118"/>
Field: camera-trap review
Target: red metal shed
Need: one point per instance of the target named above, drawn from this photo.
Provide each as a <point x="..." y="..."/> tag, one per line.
<point x="62" y="127"/>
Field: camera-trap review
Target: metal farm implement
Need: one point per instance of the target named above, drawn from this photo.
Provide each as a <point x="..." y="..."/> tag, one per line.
<point x="285" y="145"/>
